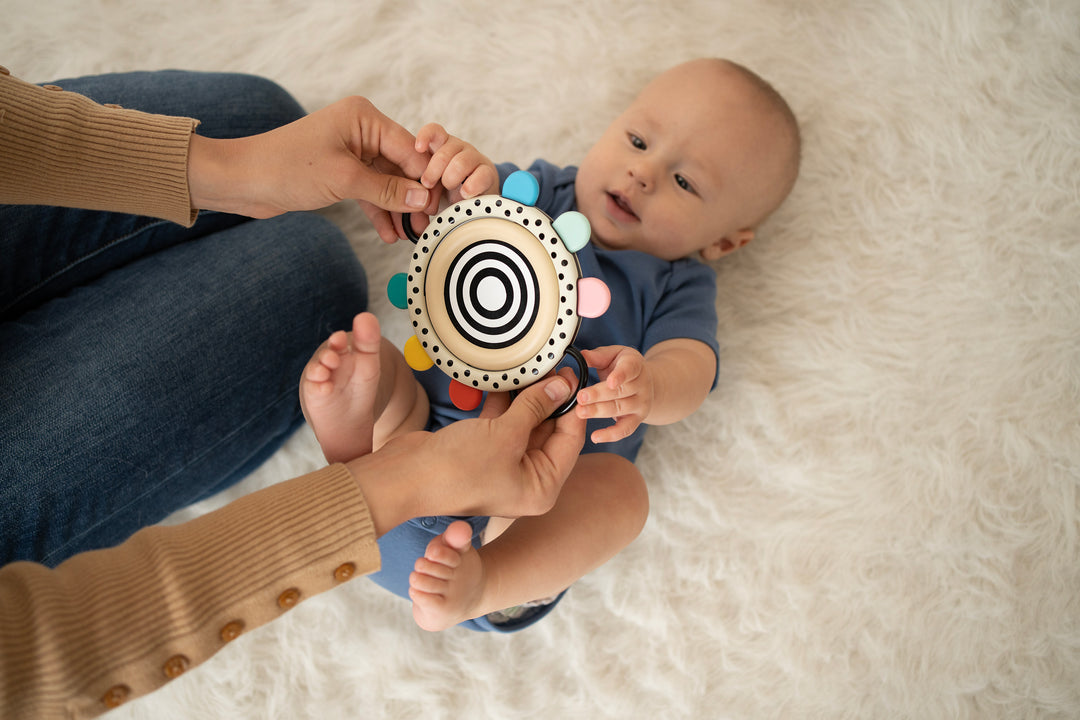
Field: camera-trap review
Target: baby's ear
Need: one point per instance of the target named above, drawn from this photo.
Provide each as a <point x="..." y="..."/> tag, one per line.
<point x="727" y="245"/>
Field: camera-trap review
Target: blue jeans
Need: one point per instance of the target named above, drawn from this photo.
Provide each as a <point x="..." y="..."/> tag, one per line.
<point x="143" y="365"/>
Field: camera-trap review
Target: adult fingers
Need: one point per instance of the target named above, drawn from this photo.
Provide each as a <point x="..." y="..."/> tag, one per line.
<point x="383" y="137"/>
<point x="381" y="220"/>
<point x="495" y="404"/>
<point x="535" y="403"/>
<point x="389" y="192"/>
<point x="532" y="407"/>
<point x="375" y="139"/>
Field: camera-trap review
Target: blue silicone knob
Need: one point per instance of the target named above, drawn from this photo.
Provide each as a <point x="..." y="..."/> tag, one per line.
<point x="521" y="187"/>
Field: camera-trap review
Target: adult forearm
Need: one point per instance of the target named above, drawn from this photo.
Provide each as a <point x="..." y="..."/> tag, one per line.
<point x="61" y="148"/>
<point x="223" y="175"/>
<point x="114" y="624"/>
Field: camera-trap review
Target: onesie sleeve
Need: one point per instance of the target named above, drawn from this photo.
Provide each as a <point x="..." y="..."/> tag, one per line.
<point x="61" y="148"/>
<point x="556" y="185"/>
<point x="111" y="625"/>
<point x="686" y="308"/>
<point x="505" y="169"/>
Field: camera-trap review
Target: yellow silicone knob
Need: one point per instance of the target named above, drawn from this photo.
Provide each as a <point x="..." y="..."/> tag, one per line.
<point x="415" y="355"/>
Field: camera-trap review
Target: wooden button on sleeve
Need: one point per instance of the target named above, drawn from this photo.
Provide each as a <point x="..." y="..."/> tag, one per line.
<point x="231" y="630"/>
<point x="175" y="666"/>
<point x="289" y="598"/>
<point x="345" y="572"/>
<point x="115" y="696"/>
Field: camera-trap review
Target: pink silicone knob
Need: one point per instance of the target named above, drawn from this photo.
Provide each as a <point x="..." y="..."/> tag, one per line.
<point x="593" y="297"/>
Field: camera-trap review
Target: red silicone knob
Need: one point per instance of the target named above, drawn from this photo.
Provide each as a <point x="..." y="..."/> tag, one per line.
<point x="465" y="397"/>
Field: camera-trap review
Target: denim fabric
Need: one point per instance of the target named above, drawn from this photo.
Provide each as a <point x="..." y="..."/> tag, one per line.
<point x="144" y="366"/>
<point x="47" y="251"/>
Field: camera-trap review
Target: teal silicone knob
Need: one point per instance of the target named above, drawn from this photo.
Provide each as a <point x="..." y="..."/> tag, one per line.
<point x="395" y="290"/>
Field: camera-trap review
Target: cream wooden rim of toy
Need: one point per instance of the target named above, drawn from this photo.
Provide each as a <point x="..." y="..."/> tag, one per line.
<point x="511" y="313"/>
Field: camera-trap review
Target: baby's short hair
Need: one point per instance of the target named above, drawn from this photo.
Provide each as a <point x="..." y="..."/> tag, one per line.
<point x="775" y="102"/>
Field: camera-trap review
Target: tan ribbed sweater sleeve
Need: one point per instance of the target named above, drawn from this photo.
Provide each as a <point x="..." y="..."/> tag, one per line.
<point x="114" y="624"/>
<point x="61" y="148"/>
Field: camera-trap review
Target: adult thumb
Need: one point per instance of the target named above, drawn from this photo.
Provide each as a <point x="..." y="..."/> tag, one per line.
<point x="560" y="448"/>
<point x="390" y="192"/>
<point x="535" y="403"/>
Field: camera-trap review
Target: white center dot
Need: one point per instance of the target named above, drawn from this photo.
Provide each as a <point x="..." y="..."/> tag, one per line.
<point x="491" y="293"/>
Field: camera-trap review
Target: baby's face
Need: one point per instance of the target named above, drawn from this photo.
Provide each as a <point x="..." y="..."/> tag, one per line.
<point x="684" y="169"/>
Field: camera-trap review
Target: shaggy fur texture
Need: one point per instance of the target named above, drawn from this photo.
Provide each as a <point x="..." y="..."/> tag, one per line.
<point x="877" y="513"/>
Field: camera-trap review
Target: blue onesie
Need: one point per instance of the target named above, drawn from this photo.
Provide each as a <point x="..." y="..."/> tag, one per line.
<point x="652" y="300"/>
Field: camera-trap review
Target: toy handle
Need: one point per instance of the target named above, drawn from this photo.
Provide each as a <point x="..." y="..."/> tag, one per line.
<point x="583" y="380"/>
<point x="406" y="225"/>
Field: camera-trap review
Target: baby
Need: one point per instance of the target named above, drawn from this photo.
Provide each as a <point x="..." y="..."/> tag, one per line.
<point x="698" y="160"/>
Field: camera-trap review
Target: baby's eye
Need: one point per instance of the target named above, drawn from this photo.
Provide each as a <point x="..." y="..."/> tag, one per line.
<point x="683" y="183"/>
<point x="637" y="142"/>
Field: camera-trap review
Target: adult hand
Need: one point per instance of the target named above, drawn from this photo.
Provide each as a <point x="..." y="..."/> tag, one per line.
<point x="511" y="461"/>
<point x="348" y="150"/>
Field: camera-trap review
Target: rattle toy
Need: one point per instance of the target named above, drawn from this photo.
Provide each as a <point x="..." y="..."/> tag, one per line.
<point x="495" y="293"/>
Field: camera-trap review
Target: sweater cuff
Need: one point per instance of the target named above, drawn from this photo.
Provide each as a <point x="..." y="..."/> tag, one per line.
<point x="61" y="148"/>
<point x="118" y="623"/>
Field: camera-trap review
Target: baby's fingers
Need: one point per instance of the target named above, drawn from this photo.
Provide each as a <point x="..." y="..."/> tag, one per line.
<point x="478" y="183"/>
<point x="612" y="408"/>
<point x="623" y="427"/>
<point x="601" y="357"/>
<point x="436" y="169"/>
<point x="431" y="137"/>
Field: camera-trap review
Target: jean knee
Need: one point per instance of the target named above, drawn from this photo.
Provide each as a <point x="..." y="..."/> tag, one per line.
<point x="325" y="256"/>
<point x="226" y="104"/>
<point x="274" y="105"/>
<point x="318" y="262"/>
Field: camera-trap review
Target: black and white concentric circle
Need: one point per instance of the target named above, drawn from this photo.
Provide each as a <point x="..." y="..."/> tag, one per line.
<point x="492" y="294"/>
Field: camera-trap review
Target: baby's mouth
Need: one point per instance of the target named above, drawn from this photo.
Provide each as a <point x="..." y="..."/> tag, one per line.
<point x="622" y="205"/>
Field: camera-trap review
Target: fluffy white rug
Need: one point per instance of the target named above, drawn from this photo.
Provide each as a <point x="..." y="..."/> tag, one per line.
<point x="877" y="513"/>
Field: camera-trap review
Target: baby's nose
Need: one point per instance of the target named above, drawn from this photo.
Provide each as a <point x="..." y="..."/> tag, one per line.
<point x="642" y="175"/>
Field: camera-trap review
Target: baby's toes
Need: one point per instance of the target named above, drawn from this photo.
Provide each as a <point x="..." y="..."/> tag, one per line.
<point x="427" y="584"/>
<point x="339" y="341"/>
<point x="435" y="569"/>
<point x="329" y="361"/>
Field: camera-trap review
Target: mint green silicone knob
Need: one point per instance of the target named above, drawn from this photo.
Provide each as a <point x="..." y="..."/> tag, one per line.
<point x="574" y="229"/>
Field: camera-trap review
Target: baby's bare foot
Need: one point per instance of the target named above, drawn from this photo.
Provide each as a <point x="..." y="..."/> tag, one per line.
<point x="339" y="387"/>
<point x="447" y="583"/>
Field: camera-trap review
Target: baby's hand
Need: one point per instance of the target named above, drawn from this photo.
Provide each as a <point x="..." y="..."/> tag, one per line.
<point x="456" y="164"/>
<point x="625" y="391"/>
